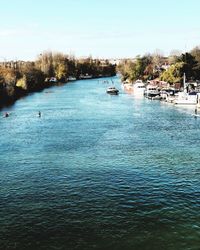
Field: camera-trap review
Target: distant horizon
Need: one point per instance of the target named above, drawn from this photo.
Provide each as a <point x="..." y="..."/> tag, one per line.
<point x="4" y="59"/>
<point x="102" y="29"/>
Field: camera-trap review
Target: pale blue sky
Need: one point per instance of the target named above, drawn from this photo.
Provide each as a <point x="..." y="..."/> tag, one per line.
<point x="102" y="28"/>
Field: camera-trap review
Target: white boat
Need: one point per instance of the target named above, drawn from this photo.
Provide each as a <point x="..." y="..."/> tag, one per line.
<point x="112" y="91"/>
<point x="151" y="91"/>
<point x="86" y="76"/>
<point x="139" y="88"/>
<point x="183" y="98"/>
<point x="53" y="79"/>
<point x="71" y="78"/>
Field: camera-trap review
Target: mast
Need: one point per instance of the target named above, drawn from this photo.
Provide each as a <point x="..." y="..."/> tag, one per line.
<point x="184" y="83"/>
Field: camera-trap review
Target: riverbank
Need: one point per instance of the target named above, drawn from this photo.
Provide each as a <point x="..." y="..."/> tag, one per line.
<point x="20" y="78"/>
<point x="17" y="93"/>
<point x="6" y="100"/>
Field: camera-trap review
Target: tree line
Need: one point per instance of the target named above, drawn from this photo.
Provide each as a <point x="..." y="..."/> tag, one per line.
<point x="169" y="69"/>
<point x="20" y="78"/>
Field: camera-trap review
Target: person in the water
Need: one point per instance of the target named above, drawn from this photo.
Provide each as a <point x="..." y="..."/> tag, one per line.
<point x="39" y="114"/>
<point x="6" y="114"/>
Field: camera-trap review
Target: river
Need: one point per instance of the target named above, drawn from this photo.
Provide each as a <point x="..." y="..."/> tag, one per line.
<point x="98" y="172"/>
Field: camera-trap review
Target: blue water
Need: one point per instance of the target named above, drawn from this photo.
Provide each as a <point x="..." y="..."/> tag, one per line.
<point x="98" y="172"/>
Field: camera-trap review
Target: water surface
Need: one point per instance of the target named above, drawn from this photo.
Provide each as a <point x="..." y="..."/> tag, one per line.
<point x="98" y="172"/>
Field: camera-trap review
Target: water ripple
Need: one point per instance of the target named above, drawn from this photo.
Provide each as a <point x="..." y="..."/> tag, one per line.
<point x="98" y="172"/>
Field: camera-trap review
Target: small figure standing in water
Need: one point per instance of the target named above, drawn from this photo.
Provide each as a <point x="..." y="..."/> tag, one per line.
<point x="6" y="114"/>
<point x="195" y="111"/>
<point x="39" y="114"/>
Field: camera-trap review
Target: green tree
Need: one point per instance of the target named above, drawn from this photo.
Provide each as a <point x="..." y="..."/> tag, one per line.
<point x="196" y="54"/>
<point x="189" y="65"/>
<point x="173" y="74"/>
<point x="31" y="78"/>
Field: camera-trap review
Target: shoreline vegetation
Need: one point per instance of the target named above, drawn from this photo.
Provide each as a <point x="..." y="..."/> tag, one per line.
<point x="19" y="78"/>
<point x="156" y="67"/>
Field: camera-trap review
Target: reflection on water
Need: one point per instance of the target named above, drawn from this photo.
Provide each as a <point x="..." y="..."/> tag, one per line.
<point x="98" y="172"/>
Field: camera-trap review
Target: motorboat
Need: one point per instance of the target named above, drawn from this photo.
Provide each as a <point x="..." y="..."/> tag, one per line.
<point x="151" y="91"/>
<point x="86" y="76"/>
<point x="53" y="79"/>
<point x="112" y="91"/>
<point x="183" y="98"/>
<point x="71" y="78"/>
<point x="165" y="93"/>
<point x="139" y="88"/>
<point x="168" y="94"/>
<point x="157" y="97"/>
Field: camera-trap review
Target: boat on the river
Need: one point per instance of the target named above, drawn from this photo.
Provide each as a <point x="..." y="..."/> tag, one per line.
<point x="184" y="98"/>
<point x="85" y="76"/>
<point x="138" y="88"/>
<point x="71" y="78"/>
<point x="53" y="80"/>
<point x="112" y="91"/>
<point x="151" y="91"/>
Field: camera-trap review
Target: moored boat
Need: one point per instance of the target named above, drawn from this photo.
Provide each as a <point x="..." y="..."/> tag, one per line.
<point x="86" y="76"/>
<point x="151" y="91"/>
<point x="184" y="98"/>
<point x="139" y="88"/>
<point x="112" y="91"/>
<point x="71" y="78"/>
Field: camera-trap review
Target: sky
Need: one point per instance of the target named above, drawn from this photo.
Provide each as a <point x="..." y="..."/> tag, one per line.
<point x="101" y="28"/>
